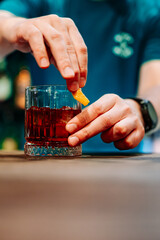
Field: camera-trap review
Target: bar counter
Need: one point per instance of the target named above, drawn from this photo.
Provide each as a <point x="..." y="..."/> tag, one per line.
<point x="112" y="197"/>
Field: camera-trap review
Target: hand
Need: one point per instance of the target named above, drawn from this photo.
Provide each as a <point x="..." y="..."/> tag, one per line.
<point x="118" y="120"/>
<point x="51" y="39"/>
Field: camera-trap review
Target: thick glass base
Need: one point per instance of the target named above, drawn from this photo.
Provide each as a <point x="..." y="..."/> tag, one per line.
<point x="57" y="149"/>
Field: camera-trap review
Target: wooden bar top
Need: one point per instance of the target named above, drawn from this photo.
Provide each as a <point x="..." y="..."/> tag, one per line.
<point x="112" y="197"/>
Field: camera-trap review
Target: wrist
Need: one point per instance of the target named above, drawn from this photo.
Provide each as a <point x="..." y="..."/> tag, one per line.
<point x="147" y="113"/>
<point x="8" y="24"/>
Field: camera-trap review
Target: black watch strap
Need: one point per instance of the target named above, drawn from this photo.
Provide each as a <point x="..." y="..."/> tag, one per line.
<point x="149" y="114"/>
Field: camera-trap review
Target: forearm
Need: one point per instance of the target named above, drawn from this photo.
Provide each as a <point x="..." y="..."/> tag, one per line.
<point x="7" y="20"/>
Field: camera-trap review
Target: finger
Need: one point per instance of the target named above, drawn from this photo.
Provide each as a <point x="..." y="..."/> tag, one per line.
<point x="99" y="124"/>
<point x="52" y="61"/>
<point x="50" y="56"/>
<point x="35" y="39"/>
<point x="131" y="141"/>
<point x="80" y="48"/>
<point x="23" y="46"/>
<point x="58" y="48"/>
<point x="60" y="26"/>
<point x="119" y="131"/>
<point x="90" y="113"/>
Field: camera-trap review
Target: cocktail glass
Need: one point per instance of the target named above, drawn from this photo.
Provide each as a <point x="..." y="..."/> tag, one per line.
<point x="47" y="110"/>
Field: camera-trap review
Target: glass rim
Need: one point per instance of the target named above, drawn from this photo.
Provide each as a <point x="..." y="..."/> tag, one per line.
<point x="45" y="86"/>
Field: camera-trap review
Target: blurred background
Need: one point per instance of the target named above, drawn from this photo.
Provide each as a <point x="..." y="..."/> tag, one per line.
<point x="14" y="77"/>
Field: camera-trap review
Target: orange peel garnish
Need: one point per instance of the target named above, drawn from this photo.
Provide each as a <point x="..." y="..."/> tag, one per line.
<point x="80" y="97"/>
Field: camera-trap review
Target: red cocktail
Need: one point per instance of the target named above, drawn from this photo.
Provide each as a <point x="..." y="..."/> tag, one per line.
<point x="44" y="125"/>
<point x="48" y="109"/>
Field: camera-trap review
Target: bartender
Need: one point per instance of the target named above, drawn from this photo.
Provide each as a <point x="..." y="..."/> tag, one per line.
<point x="122" y="61"/>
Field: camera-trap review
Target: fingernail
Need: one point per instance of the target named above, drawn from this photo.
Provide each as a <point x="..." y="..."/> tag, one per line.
<point x="73" y="141"/>
<point x="73" y="86"/>
<point x="82" y="82"/>
<point x="68" y="72"/>
<point x="71" y="127"/>
<point x="44" y="63"/>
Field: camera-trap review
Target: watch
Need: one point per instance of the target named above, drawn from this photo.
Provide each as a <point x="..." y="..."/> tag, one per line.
<point x="148" y="113"/>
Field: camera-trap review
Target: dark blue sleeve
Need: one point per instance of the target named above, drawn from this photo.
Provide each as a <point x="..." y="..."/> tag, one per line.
<point x="35" y="8"/>
<point x="151" y="47"/>
<point x="22" y="8"/>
